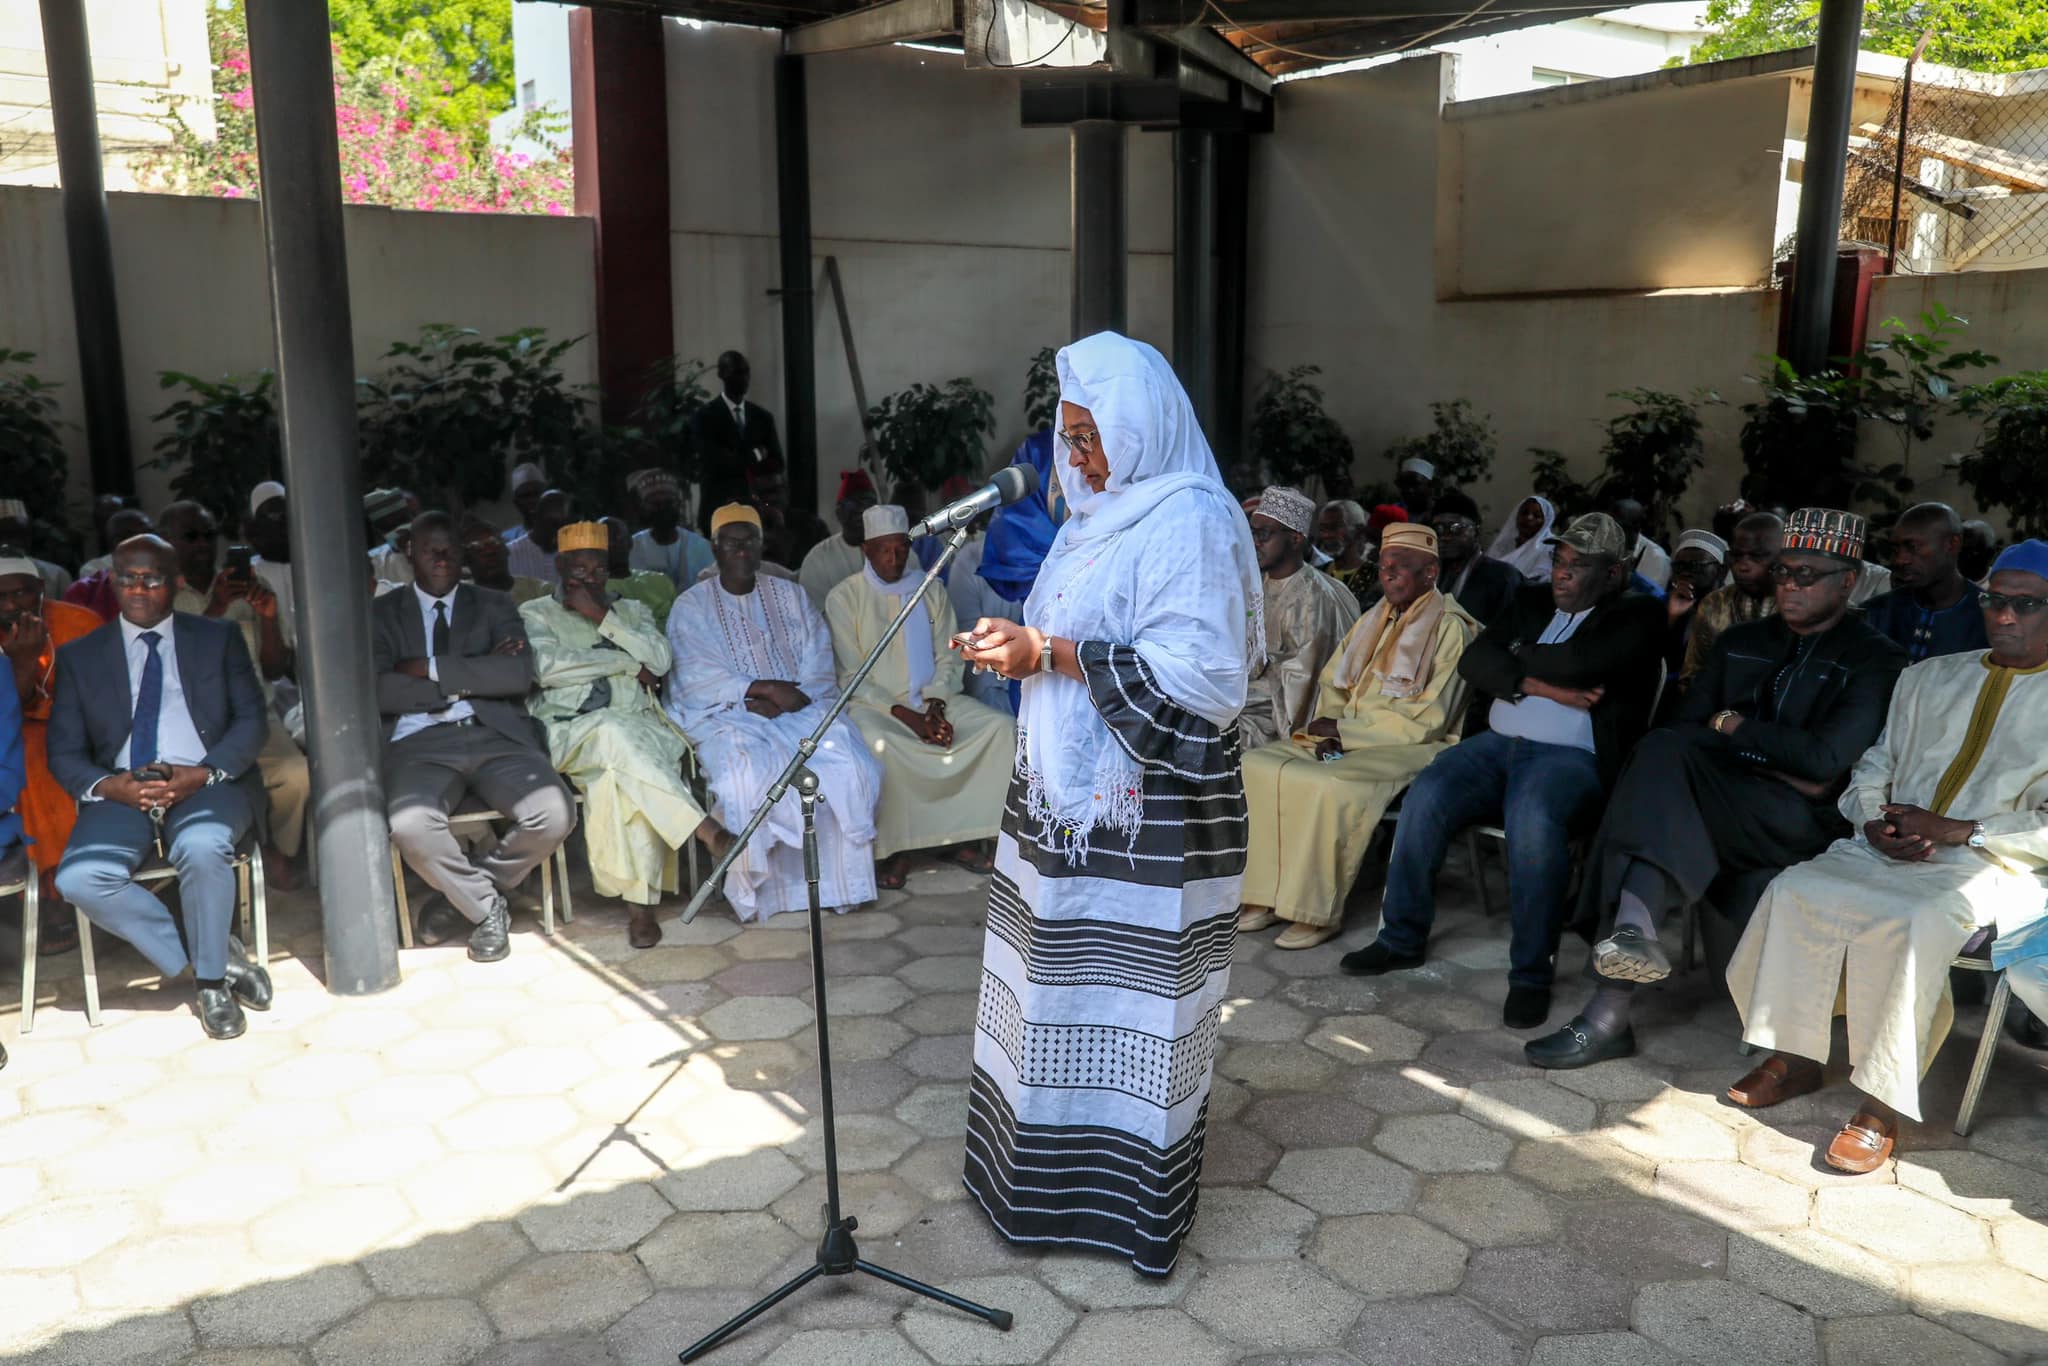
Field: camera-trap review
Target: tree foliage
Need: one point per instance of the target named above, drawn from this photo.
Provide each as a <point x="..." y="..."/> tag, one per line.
<point x="1982" y="35"/>
<point x="459" y="50"/>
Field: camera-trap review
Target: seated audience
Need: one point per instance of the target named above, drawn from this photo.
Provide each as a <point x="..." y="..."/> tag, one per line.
<point x="526" y="484"/>
<point x="1522" y="543"/>
<point x="453" y="669"/>
<point x="1387" y="703"/>
<point x="1572" y="670"/>
<point x="945" y="758"/>
<point x="1932" y="609"/>
<point x="17" y="529"/>
<point x="1649" y="559"/>
<point x="836" y="559"/>
<point x="1950" y="810"/>
<point x="1742" y="785"/>
<point x="388" y="514"/>
<point x="663" y="543"/>
<point x="598" y="661"/>
<point x="1747" y="596"/>
<point x="650" y="588"/>
<point x="788" y="533"/>
<point x="116" y="522"/>
<point x="489" y="564"/>
<point x="155" y="724"/>
<point x="1340" y="535"/>
<point x="32" y="629"/>
<point x="1699" y="563"/>
<point x="1416" y="480"/>
<point x="532" y="556"/>
<point x="1979" y="548"/>
<point x="1483" y="586"/>
<point x="752" y="678"/>
<point x="1307" y="614"/>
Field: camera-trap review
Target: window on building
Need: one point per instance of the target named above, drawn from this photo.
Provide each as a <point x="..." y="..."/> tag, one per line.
<point x="528" y="97"/>
<point x="1543" y="75"/>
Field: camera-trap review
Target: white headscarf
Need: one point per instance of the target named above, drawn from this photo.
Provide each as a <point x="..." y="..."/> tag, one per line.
<point x="1161" y="560"/>
<point x="1532" y="557"/>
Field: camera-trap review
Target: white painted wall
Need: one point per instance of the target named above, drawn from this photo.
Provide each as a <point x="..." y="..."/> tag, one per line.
<point x="194" y="295"/>
<point x="540" y="71"/>
<point x="1619" y="43"/>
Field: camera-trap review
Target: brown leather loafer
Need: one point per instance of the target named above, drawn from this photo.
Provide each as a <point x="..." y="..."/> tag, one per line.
<point x="1864" y="1145"/>
<point x="1777" y="1078"/>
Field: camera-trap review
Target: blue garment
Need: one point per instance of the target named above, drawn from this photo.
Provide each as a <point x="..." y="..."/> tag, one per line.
<point x="1542" y="795"/>
<point x="1648" y="587"/>
<point x="1955" y="629"/>
<point x="1021" y="534"/>
<point x="928" y="549"/>
<point x="13" y="769"/>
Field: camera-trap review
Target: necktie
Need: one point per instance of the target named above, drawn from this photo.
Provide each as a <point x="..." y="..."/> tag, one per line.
<point x="149" y="703"/>
<point x="440" y="646"/>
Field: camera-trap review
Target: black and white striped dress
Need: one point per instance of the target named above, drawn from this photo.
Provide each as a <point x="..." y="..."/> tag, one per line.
<point x="1101" y="984"/>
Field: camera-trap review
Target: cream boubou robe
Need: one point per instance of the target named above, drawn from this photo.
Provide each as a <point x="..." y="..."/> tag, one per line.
<point x="931" y="797"/>
<point x="607" y="735"/>
<point x="1307" y="614"/>
<point x="1311" y="821"/>
<point x="1965" y="740"/>
<point x="830" y="563"/>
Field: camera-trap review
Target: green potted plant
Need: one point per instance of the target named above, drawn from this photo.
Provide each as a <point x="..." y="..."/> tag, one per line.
<point x="1798" y="439"/>
<point x="1293" y="438"/>
<point x="1460" y="444"/>
<point x="1907" y="380"/>
<point x="1550" y="476"/>
<point x="1652" y="450"/>
<point x="222" y="439"/>
<point x="1042" y="390"/>
<point x="2008" y="467"/>
<point x="927" y="433"/>
<point x="34" y="450"/>
<point x="672" y="391"/>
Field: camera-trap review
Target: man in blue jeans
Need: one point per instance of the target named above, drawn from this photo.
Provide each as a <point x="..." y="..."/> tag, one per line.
<point x="1572" y="668"/>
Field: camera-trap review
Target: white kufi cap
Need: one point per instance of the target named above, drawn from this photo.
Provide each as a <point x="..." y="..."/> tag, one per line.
<point x="886" y="519"/>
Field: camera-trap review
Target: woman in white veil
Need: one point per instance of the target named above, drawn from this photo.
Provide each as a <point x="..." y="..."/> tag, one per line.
<point x="1112" y="907"/>
<point x="1521" y="539"/>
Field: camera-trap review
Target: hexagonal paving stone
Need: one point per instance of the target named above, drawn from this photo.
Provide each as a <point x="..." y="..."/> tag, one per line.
<point x="1583" y="1168"/>
<point x="2021" y="1139"/>
<point x="518" y="1122"/>
<point x="866" y="1143"/>
<point x="1143" y="1337"/>
<point x="867" y="1038"/>
<point x="1991" y="1302"/>
<point x="757" y="1017"/>
<point x="1549" y="1288"/>
<point x="758" y="1065"/>
<point x="957" y="1239"/>
<point x="1432" y="1330"/>
<point x="409" y="1100"/>
<point x="296" y="1309"/>
<point x="955" y="1338"/>
<point x="1489" y="1210"/>
<point x="883" y="1204"/>
<point x="407" y="1333"/>
<point x="857" y="1087"/>
<point x="1277" y="1066"/>
<point x="1261" y="1021"/>
<point x="1669" y="1129"/>
<point x="759" y="943"/>
<point x="31" y="1303"/>
<point x="1096" y="1282"/>
<point x="1645" y="1239"/>
<point x="779" y="977"/>
<point x="1732" y="1194"/>
<point x="959" y="972"/>
<point x="2022" y="1245"/>
<point x="63" y="1233"/>
<point x="468" y="1187"/>
<point x="1901" y="1340"/>
<point x="1405" y="1090"/>
<point x="577" y="1351"/>
<point x="933" y="941"/>
<point x="1599" y="1349"/>
<point x="1345" y="1181"/>
<point x="104" y="1084"/>
<point x="749" y="1180"/>
<point x="566" y="1293"/>
<point x="1483" y="1052"/>
<point x="1814" y="1272"/>
<point x="937" y="1110"/>
<point x="1793" y="1153"/>
<point x="942" y="1013"/>
<point x="460" y="1262"/>
<point x="1273" y="1305"/>
<point x="1388" y="1256"/>
<point x="701" y="1250"/>
<point x="1443" y="1143"/>
<point x="323" y="1227"/>
<point x="1242" y="1224"/>
<point x="1901" y="1226"/>
<point x="846" y="1347"/>
<point x="595" y="1220"/>
<point x="874" y="995"/>
<point x="115" y="1338"/>
<point x="1976" y="1183"/>
<point x="1741" y="1324"/>
<point x="1233" y="1155"/>
<point x="1310" y="1121"/>
<point x="1528" y="1108"/>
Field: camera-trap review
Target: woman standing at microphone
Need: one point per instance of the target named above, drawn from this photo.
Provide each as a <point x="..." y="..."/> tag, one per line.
<point x="1111" y="909"/>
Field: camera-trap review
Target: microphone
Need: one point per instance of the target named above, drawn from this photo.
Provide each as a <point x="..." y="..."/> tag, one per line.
<point x="1009" y="484"/>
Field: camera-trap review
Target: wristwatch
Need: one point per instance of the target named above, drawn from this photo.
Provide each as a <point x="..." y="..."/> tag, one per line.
<point x="1045" y="657"/>
<point x="215" y="776"/>
<point x="1976" y="840"/>
<point x="1721" y="716"/>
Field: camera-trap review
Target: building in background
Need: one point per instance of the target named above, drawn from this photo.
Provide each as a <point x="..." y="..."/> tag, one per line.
<point x="540" y="63"/>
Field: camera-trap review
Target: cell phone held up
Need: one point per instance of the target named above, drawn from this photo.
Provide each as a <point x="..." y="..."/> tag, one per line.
<point x="240" y="560"/>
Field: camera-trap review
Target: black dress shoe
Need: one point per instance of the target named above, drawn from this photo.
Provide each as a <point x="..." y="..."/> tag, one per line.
<point x="435" y="922"/>
<point x="249" y="982"/>
<point x="2025" y="1026"/>
<point x="492" y="938"/>
<point x="221" y="1013"/>
<point x="1376" y="958"/>
<point x="1576" y="1045"/>
<point x="1526" y="1007"/>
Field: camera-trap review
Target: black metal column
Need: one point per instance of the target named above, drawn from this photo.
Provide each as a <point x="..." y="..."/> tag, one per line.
<point x="1194" y="270"/>
<point x="1820" y="191"/>
<point x="88" y="245"/>
<point x="799" y="333"/>
<point x="1233" y="264"/>
<point x="1097" y="207"/>
<point x="292" y="75"/>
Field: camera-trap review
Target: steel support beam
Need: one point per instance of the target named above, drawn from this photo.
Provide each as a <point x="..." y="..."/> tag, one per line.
<point x="1194" y="269"/>
<point x="892" y="21"/>
<point x="1811" y="304"/>
<point x="799" y="332"/>
<point x="88" y="248"/>
<point x="1170" y="14"/>
<point x="1232" y="155"/>
<point x="292" y="74"/>
<point x="1097" y="201"/>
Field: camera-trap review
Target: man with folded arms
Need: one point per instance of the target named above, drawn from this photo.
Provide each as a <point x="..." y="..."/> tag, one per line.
<point x="1572" y="670"/>
<point x="1389" y="701"/>
<point x="1950" y="810"/>
<point x="599" y="660"/>
<point x="1743" y="783"/>
<point x="1307" y="614"/>
<point x="453" y="669"/>
<point x="155" y="720"/>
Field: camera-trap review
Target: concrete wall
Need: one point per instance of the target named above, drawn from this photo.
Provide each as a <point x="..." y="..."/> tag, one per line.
<point x="194" y="295"/>
<point x="948" y="219"/>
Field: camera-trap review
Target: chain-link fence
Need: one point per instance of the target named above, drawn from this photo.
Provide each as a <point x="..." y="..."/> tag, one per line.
<point x="1970" y="191"/>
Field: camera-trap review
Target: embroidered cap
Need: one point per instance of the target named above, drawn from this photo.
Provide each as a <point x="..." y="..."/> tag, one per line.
<point x="582" y="536"/>
<point x="1824" y="531"/>
<point x="1593" y="533"/>
<point x="1716" y="548"/>
<point x="13" y="510"/>
<point x="1415" y="464"/>
<point x="884" y="519"/>
<point x="1291" y="508"/>
<point x="641" y="483"/>
<point x="1409" y="536"/>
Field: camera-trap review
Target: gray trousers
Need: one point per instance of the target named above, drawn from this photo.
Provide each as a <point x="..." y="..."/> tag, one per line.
<point x="427" y="775"/>
<point x="200" y="833"/>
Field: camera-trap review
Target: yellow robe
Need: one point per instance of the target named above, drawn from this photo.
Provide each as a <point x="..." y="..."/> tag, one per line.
<point x="931" y="797"/>
<point x="609" y="736"/>
<point x="1311" y="821"/>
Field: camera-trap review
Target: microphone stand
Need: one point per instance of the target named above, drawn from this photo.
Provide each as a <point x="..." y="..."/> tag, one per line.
<point x="837" y="1254"/>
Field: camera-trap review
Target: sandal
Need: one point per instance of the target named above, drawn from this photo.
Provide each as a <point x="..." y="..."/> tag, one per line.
<point x="892" y="876"/>
<point x="972" y="857"/>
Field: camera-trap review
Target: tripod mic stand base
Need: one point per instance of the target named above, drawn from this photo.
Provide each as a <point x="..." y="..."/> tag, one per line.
<point x="838" y="1256"/>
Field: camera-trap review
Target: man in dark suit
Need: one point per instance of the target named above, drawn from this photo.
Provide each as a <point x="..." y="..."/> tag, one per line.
<point x="1571" y="667"/>
<point x="1741" y="785"/>
<point x="453" y="671"/>
<point x="730" y="436"/>
<point x="156" y="719"/>
<point x="1482" y="585"/>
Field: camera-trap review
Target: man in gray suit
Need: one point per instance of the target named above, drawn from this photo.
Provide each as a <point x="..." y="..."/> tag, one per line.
<point x="453" y="671"/>
<point x="155" y="722"/>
